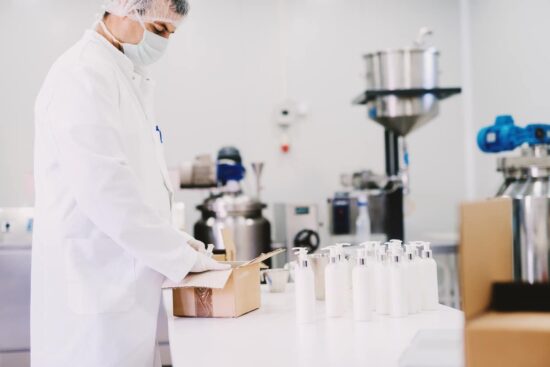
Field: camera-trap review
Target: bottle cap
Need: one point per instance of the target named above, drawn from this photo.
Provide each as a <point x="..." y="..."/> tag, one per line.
<point x="301" y="252"/>
<point x="334" y="255"/>
<point x="362" y="200"/>
<point x="340" y="250"/>
<point x="426" y="252"/>
<point x="361" y="257"/>
<point x="410" y="251"/>
<point x="371" y="247"/>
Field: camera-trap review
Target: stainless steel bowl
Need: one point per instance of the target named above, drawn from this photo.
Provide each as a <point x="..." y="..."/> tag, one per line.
<point x="403" y="69"/>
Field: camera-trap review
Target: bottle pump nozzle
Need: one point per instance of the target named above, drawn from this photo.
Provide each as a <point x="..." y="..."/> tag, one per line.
<point x="370" y="244"/>
<point x="371" y="248"/>
<point x="301" y="252"/>
<point x="361" y="257"/>
<point x="410" y="251"/>
<point x="394" y="247"/>
<point x="426" y="252"/>
<point x="334" y="253"/>
<point x="340" y="247"/>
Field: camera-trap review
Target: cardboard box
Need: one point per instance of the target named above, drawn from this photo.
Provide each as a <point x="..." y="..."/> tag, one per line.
<point x="228" y="293"/>
<point x="486" y="256"/>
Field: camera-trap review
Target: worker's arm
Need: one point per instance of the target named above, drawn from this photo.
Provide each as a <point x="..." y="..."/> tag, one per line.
<point x="84" y="123"/>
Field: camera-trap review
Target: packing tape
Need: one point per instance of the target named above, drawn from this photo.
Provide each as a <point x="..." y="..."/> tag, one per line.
<point x="203" y="302"/>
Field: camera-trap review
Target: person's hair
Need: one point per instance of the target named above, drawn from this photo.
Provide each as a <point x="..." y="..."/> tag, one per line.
<point x="180" y="6"/>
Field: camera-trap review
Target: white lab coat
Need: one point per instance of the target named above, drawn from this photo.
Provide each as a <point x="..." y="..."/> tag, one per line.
<point x="103" y="240"/>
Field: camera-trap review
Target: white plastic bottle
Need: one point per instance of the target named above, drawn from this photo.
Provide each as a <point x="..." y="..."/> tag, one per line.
<point x="430" y="294"/>
<point x="345" y="266"/>
<point x="413" y="279"/>
<point x="362" y="224"/>
<point x="381" y="275"/>
<point x="335" y="285"/>
<point x="397" y="289"/>
<point x="361" y="292"/>
<point x="304" y="280"/>
<point x="371" y="248"/>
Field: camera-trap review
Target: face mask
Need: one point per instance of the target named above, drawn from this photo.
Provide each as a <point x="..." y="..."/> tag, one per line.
<point x="151" y="48"/>
<point x="148" y="51"/>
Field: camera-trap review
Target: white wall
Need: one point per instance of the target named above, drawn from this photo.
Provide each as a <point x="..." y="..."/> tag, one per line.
<point x="33" y="34"/>
<point x="226" y="70"/>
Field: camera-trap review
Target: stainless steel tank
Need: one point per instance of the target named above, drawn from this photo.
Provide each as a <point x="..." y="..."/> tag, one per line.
<point x="251" y="231"/>
<point x="526" y="181"/>
<point x="403" y="69"/>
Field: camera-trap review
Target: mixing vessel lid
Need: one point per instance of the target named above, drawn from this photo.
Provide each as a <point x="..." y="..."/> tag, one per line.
<point x="231" y="203"/>
<point x="419" y="46"/>
<point x="404" y="50"/>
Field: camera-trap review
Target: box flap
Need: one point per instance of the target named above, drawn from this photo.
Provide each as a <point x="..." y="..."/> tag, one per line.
<point x="209" y="279"/>
<point x="486" y="249"/>
<point x="263" y="257"/>
<point x="228" y="243"/>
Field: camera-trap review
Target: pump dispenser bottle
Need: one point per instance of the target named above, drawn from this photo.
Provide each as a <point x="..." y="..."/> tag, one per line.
<point x="305" y="287"/>
<point x="413" y="279"/>
<point x="381" y="279"/>
<point x="345" y="265"/>
<point x="397" y="290"/>
<point x="430" y="295"/>
<point x="371" y="248"/>
<point x="335" y="284"/>
<point x="361" y="292"/>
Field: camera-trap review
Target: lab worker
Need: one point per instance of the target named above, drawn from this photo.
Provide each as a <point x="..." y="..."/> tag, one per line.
<point x="103" y="241"/>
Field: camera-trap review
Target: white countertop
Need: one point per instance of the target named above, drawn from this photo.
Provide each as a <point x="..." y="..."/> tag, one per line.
<point x="270" y="336"/>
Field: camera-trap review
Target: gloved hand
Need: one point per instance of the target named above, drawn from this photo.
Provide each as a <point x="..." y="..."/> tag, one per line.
<point x="197" y="245"/>
<point x="205" y="263"/>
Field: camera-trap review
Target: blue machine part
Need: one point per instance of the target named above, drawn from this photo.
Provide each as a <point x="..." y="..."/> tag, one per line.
<point x="230" y="171"/>
<point x="504" y="135"/>
<point x="230" y="165"/>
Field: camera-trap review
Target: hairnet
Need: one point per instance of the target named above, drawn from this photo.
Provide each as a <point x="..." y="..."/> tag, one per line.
<point x="168" y="11"/>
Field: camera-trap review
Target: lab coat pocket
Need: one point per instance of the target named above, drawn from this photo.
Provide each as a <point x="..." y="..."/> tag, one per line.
<point x="100" y="276"/>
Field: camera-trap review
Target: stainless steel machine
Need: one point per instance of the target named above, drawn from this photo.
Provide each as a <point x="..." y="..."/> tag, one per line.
<point x="297" y="225"/>
<point x="251" y="231"/>
<point x="526" y="182"/>
<point x="402" y="95"/>
<point x="227" y="206"/>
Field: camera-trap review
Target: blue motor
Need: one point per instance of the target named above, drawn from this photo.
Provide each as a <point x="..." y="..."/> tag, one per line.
<point x="229" y="165"/>
<point x="504" y="135"/>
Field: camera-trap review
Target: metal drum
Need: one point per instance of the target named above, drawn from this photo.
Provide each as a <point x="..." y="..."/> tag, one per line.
<point x="403" y="69"/>
<point x="251" y="231"/>
<point x="526" y="182"/>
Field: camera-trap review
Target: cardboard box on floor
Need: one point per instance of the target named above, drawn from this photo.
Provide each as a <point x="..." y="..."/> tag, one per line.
<point x="227" y="293"/>
<point x="495" y="338"/>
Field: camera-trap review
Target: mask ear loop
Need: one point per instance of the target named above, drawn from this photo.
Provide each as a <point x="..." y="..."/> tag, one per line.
<point x="107" y="32"/>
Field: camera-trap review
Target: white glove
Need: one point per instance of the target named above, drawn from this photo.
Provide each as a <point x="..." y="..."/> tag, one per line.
<point x="197" y="245"/>
<point x="205" y="263"/>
